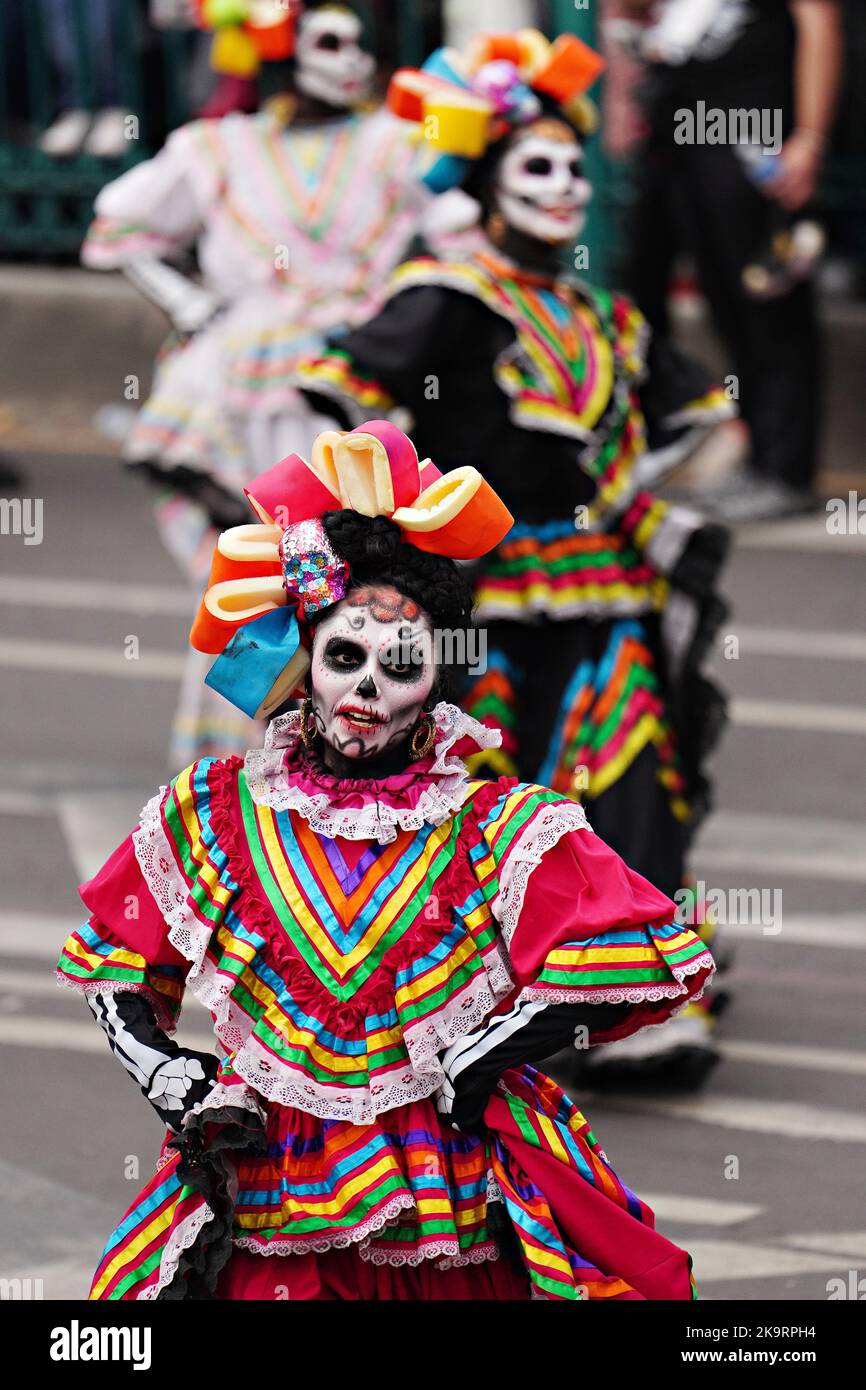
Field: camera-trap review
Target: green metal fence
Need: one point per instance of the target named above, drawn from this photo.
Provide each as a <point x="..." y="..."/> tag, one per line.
<point x="46" y="203"/>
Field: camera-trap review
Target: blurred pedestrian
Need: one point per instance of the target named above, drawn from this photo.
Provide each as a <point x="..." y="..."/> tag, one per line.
<point x="739" y="209"/>
<point x="83" y="43"/>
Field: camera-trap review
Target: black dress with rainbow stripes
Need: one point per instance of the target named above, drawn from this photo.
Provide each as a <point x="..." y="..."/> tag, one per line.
<point x="600" y="604"/>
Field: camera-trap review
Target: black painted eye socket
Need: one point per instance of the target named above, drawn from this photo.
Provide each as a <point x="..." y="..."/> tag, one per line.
<point x="538" y="164"/>
<point x="575" y="168"/>
<point x="343" y="655"/>
<point x="403" y="664"/>
<point x="329" y="41"/>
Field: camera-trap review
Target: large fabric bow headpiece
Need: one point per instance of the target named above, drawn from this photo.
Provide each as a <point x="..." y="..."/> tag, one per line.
<point x="462" y="102"/>
<point x="268" y="579"/>
<point x="248" y="33"/>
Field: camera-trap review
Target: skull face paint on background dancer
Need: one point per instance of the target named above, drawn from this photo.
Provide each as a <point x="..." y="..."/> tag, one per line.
<point x="540" y="188"/>
<point x="330" y="63"/>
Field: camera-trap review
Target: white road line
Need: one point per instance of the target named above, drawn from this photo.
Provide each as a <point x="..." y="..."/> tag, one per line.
<point x="837" y="868"/>
<point x="812" y="643"/>
<point x="733" y="1259"/>
<point x="801" y="534"/>
<point x="40" y="935"/>
<point x="96" y="596"/>
<point x="68" y="1035"/>
<point x="800" y="846"/>
<point x="837" y="1060"/>
<point x="698" y="1211"/>
<point x="23" y="654"/>
<point x="849" y="1243"/>
<point x="93" y="823"/>
<point x="787" y="1119"/>
<point x="847" y="931"/>
<point x="801" y="715"/>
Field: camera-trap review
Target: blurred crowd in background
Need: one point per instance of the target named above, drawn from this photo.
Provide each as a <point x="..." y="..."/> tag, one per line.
<point x="72" y="73"/>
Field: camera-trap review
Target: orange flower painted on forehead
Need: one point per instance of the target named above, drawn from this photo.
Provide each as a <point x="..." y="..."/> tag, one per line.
<point x="549" y="128"/>
<point x="385" y="602"/>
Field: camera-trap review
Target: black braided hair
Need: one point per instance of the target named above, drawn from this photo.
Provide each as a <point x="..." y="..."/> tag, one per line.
<point x="374" y="548"/>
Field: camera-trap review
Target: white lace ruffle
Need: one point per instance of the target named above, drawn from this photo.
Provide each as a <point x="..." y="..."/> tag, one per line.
<point x="181" y="1238"/>
<point x="339" y="1240"/>
<point x="377" y="820"/>
<point x="544" y="831"/>
<point x="629" y="994"/>
<point x="272" y="1079"/>
<point x="421" y="1079"/>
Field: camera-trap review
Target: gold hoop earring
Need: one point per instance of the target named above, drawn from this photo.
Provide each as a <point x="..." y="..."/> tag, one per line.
<point x="423" y="737"/>
<point x="496" y="228"/>
<point x="308" y="735"/>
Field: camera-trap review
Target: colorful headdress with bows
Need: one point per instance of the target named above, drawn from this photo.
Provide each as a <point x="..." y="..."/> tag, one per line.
<point x="270" y="578"/>
<point x="463" y="102"/>
<point x="248" y="33"/>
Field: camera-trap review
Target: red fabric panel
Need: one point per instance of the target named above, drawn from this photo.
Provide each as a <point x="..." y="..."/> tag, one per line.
<point x="580" y="889"/>
<point x="118" y="892"/>
<point x="613" y="1240"/>
<point x="343" y="1275"/>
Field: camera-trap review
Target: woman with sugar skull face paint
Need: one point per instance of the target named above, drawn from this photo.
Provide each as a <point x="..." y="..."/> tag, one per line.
<point x="385" y="942"/>
<point x="298" y="214"/>
<point x="600" y="604"/>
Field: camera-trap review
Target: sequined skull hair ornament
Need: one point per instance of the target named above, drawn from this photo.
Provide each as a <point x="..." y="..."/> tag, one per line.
<point x="270" y="579"/>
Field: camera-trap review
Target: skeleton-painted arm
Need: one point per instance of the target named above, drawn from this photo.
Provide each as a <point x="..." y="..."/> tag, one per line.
<point x="187" y="304"/>
<point x="531" y="1031"/>
<point x="173" y="1079"/>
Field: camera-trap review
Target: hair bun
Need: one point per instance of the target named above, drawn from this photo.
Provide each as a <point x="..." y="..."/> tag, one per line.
<point x="363" y="539"/>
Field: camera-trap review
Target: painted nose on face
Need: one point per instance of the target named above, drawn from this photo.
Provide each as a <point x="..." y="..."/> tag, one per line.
<point x="367" y="688"/>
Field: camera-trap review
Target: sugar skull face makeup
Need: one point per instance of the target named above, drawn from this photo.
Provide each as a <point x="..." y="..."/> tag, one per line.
<point x="331" y="65"/>
<point x="372" y="671"/>
<point x="540" y="188"/>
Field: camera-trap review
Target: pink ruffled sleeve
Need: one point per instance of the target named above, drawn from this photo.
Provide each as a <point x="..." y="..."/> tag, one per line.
<point x="580" y="925"/>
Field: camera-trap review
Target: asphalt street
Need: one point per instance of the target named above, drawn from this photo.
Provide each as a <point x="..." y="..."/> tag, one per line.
<point x="761" y="1175"/>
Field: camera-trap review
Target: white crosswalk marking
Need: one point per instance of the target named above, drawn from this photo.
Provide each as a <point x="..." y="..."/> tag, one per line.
<point x="800" y="534"/>
<point x="699" y="1211"/>
<point x="849" y="1243"/>
<point x="813" y="644"/>
<point x="787" y="1119"/>
<point x="801" y="716"/>
<point x="91" y="596"/>
<point x="722" y="1260"/>
<point x="845" y="930"/>
<point x="800" y="846"/>
<point x="89" y="659"/>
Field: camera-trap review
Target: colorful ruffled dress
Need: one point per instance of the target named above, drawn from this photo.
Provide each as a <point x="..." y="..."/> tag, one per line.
<point x="343" y="934"/>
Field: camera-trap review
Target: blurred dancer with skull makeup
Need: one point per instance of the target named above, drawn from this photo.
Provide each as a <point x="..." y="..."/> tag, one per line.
<point x="298" y="214"/>
<point x="386" y="943"/>
<point x="601" y="602"/>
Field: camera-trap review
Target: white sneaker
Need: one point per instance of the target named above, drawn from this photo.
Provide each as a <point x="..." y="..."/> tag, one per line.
<point x="66" y="136"/>
<point x="107" y="138"/>
<point x="679" y="1053"/>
